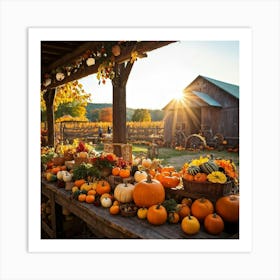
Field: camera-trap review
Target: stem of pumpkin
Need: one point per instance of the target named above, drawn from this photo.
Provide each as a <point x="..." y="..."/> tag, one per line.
<point x="158" y="206"/>
<point x="149" y="179"/>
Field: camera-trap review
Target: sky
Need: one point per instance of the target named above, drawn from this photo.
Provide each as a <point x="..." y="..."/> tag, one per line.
<point x="164" y="74"/>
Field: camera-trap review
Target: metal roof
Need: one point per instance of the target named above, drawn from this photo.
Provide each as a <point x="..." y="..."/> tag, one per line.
<point x="230" y="88"/>
<point x="207" y="99"/>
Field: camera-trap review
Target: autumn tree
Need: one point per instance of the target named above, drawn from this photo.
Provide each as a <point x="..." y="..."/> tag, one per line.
<point x="141" y="115"/>
<point x="106" y="114"/>
<point x="70" y="99"/>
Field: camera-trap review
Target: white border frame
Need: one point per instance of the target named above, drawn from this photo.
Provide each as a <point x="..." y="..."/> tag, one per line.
<point x="244" y="243"/>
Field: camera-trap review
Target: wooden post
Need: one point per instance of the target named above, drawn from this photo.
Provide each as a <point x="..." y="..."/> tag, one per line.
<point x="49" y="98"/>
<point x="122" y="72"/>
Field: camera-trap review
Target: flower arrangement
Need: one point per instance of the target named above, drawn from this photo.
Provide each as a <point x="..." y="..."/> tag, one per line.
<point x="104" y="161"/>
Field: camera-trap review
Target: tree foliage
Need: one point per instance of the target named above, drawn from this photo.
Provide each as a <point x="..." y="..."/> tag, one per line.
<point x="106" y="114"/>
<point x="141" y="115"/>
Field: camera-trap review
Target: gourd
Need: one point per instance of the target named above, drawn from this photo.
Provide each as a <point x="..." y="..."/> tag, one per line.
<point x="200" y="177"/>
<point x="201" y="208"/>
<point x="157" y="215"/>
<point x="190" y="225"/>
<point x="123" y="192"/>
<point x="60" y="174"/>
<point x="209" y="167"/>
<point x="140" y="175"/>
<point x="106" y="202"/>
<point x="103" y="187"/>
<point x="148" y="192"/>
<point x="193" y="170"/>
<point x="142" y="213"/>
<point x="67" y="177"/>
<point x="228" y="208"/>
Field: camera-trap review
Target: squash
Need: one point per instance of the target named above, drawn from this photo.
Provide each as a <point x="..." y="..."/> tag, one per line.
<point x="201" y="208"/>
<point x="148" y="192"/>
<point x="157" y="215"/>
<point x="213" y="224"/>
<point x="142" y="213"/>
<point x="173" y="217"/>
<point x="209" y="167"/>
<point x="228" y="208"/>
<point x="193" y="169"/>
<point x="140" y="175"/>
<point x="123" y="192"/>
<point x="190" y="225"/>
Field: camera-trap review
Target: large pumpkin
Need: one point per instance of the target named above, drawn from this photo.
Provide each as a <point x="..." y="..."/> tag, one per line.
<point x="228" y="208"/>
<point x="148" y="192"/>
<point x="157" y="215"/>
<point x="123" y="192"/>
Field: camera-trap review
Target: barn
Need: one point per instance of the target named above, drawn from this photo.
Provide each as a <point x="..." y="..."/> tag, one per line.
<point x="209" y="107"/>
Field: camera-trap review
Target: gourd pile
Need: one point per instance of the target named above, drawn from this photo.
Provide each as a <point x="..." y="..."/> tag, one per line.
<point x="145" y="195"/>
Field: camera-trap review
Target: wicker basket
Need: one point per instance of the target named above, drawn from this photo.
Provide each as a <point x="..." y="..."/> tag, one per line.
<point x="212" y="191"/>
<point x="58" y="161"/>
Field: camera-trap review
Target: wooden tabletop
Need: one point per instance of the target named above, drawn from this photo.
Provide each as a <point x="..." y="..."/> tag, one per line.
<point x="105" y="225"/>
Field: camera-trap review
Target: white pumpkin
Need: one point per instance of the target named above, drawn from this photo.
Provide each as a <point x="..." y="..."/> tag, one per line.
<point x="67" y="177"/>
<point x="140" y="175"/>
<point x="60" y="174"/>
<point x="106" y="202"/>
<point x="123" y="192"/>
<point x="146" y="162"/>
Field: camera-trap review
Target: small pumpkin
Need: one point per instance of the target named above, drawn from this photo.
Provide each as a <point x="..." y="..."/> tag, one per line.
<point x="170" y="181"/>
<point x="173" y="217"/>
<point x="168" y="168"/>
<point x="188" y="177"/>
<point x="190" y="225"/>
<point x="90" y="198"/>
<point x="140" y="175"/>
<point x="200" y="177"/>
<point x="184" y="210"/>
<point x="157" y="215"/>
<point x="103" y="187"/>
<point x="213" y="224"/>
<point x="67" y="177"/>
<point x="201" y="208"/>
<point x="60" y="174"/>
<point x="148" y="192"/>
<point x="187" y="201"/>
<point x="116" y="171"/>
<point x="79" y="182"/>
<point x="106" y="202"/>
<point x="142" y="213"/>
<point x="146" y="162"/>
<point x="124" y="173"/>
<point x="228" y="208"/>
<point x="114" y="209"/>
<point x="123" y="192"/>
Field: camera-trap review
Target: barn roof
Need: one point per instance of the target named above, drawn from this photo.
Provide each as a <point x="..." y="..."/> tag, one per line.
<point x="230" y="88"/>
<point x="207" y="99"/>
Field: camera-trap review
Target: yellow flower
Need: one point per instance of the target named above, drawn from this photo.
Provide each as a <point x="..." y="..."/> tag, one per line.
<point x="133" y="56"/>
<point x="217" y="177"/>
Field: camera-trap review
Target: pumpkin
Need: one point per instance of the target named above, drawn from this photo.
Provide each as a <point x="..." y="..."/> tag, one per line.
<point x="79" y="182"/>
<point x="114" y="209"/>
<point x="106" y="202"/>
<point x="123" y="192"/>
<point x="157" y="215"/>
<point x="190" y="225"/>
<point x="188" y="177"/>
<point x="200" y="177"/>
<point x="82" y="197"/>
<point x="86" y="186"/>
<point x="173" y="217"/>
<point x="187" y="201"/>
<point x="168" y="168"/>
<point x="201" y="208"/>
<point x="116" y="171"/>
<point x="170" y="181"/>
<point x="55" y="170"/>
<point x="90" y="198"/>
<point x="146" y="162"/>
<point x="60" y="174"/>
<point x="184" y="210"/>
<point x="103" y="187"/>
<point x="124" y="173"/>
<point x="213" y="224"/>
<point x="148" y="192"/>
<point x="67" y="177"/>
<point x="83" y="155"/>
<point x="142" y="213"/>
<point x="107" y="195"/>
<point x="228" y="208"/>
<point x="140" y="175"/>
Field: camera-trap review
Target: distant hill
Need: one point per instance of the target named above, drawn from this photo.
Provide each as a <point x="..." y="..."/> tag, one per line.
<point x="156" y="115"/>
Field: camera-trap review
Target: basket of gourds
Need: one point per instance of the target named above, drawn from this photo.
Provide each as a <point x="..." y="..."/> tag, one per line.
<point x="209" y="178"/>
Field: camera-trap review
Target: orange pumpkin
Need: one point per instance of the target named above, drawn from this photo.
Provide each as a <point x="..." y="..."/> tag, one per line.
<point x="55" y="170"/>
<point x="90" y="198"/>
<point x="124" y="173"/>
<point x="79" y="183"/>
<point x="228" y="208"/>
<point x="114" y="209"/>
<point x="168" y="168"/>
<point x="184" y="210"/>
<point x="200" y="177"/>
<point x="116" y="171"/>
<point x="188" y="177"/>
<point x="173" y="217"/>
<point x="157" y="215"/>
<point x="201" y="208"/>
<point x="170" y="181"/>
<point x="213" y="224"/>
<point x="148" y="192"/>
<point x="82" y="197"/>
<point x="190" y="225"/>
<point x="103" y="187"/>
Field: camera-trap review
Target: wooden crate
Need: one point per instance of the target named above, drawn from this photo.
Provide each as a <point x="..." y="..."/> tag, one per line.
<point x="212" y="191"/>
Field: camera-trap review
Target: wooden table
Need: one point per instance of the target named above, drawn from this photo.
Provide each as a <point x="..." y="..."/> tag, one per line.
<point x="105" y="225"/>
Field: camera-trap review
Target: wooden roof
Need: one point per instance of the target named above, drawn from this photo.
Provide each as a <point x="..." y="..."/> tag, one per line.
<point x="69" y="57"/>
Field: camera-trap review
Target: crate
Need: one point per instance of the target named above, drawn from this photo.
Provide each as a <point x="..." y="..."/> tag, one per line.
<point x="115" y="180"/>
<point x="211" y="191"/>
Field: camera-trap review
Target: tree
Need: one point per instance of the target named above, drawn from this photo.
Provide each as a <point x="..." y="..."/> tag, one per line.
<point x="157" y="115"/>
<point x="94" y="115"/>
<point x="141" y="115"/>
<point x="106" y="114"/>
<point x="70" y="99"/>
